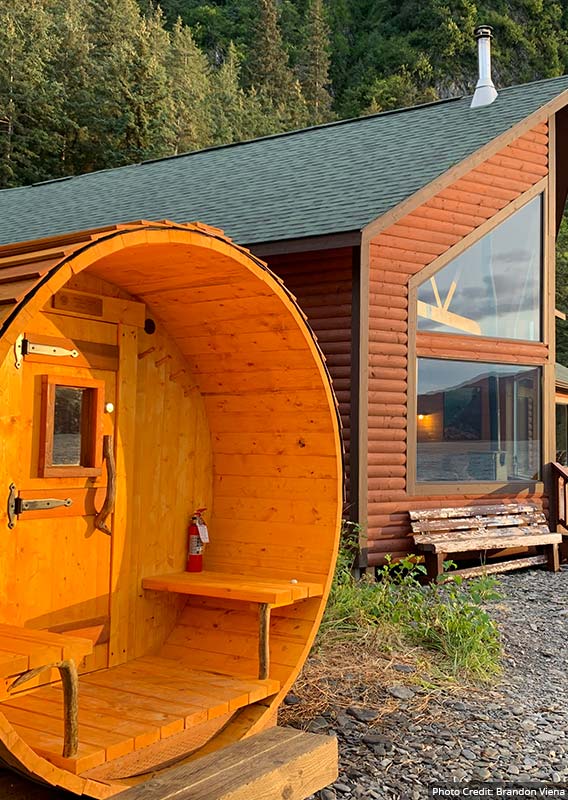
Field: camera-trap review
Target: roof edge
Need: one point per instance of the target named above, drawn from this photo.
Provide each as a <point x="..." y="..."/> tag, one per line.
<point x="304" y="244"/>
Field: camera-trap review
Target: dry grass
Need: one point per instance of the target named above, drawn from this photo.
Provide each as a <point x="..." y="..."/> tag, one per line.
<point x="357" y="670"/>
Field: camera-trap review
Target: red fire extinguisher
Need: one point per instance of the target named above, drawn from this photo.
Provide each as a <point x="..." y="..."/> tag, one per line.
<point x="197" y="535"/>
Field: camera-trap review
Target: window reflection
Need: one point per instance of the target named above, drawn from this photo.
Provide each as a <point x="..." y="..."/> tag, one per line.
<point x="493" y="288"/>
<point x="562" y="433"/>
<point x="477" y="421"/>
<point x="67" y="426"/>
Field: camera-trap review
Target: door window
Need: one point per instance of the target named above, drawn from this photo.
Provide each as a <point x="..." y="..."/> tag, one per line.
<point x="71" y="427"/>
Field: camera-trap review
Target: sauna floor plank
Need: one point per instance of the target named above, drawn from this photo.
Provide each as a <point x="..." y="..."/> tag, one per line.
<point x="128" y="707"/>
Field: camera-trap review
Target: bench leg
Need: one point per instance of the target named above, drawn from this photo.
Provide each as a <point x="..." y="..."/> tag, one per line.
<point x="70" y="685"/>
<point x="434" y="565"/>
<point x="263" y="641"/>
<point x="552" y="557"/>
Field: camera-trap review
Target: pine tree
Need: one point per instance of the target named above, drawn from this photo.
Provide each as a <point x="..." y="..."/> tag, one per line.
<point x="147" y="98"/>
<point x="268" y="63"/>
<point x="314" y="65"/>
<point x="236" y="114"/>
<point x="130" y="111"/>
<point x="30" y="99"/>
<point x="270" y="74"/>
<point x="341" y="41"/>
<point x="72" y="59"/>
<point x="190" y="91"/>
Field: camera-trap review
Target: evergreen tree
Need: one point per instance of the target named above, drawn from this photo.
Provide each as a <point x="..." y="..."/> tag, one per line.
<point x="270" y="74"/>
<point x="73" y="59"/>
<point x="148" y="111"/>
<point x="215" y="24"/>
<point x="30" y="98"/>
<point x="268" y="63"/>
<point x="236" y="114"/>
<point x="190" y="92"/>
<point x="341" y="41"/>
<point x="315" y="65"/>
<point x="130" y="108"/>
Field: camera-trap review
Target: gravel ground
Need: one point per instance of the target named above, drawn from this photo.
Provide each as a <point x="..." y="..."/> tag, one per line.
<point x="516" y="732"/>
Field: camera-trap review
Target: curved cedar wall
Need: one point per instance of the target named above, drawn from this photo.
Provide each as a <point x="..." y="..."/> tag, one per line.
<point x="269" y="467"/>
<point x="227" y="405"/>
<point x="272" y="440"/>
<point x="322" y="282"/>
<point x="396" y="255"/>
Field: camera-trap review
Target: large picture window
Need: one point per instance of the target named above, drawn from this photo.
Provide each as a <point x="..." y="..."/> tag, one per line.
<point x="493" y="288"/>
<point x="562" y="433"/>
<point x="477" y="422"/>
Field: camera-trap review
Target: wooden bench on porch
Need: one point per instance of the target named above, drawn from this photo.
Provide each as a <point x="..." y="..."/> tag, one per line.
<point x="26" y="653"/>
<point x="267" y="593"/>
<point x="443" y="532"/>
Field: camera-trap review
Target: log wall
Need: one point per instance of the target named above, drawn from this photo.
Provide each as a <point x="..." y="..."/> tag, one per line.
<point x="397" y="254"/>
<point x="322" y="282"/>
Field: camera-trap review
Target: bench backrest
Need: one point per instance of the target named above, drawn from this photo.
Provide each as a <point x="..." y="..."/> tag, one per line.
<point x="472" y="519"/>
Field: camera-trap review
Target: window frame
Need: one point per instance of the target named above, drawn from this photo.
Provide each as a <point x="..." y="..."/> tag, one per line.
<point x="91" y="433"/>
<point x="475" y="487"/>
<point x="534" y="350"/>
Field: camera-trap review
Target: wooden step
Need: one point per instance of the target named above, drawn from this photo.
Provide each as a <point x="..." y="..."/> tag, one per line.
<point x="129" y="707"/>
<point x="281" y="762"/>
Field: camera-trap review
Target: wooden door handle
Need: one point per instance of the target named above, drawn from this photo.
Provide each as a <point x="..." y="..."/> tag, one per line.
<point x="108" y="505"/>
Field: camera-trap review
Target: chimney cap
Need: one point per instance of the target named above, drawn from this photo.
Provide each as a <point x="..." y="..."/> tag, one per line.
<point x="485" y="91"/>
<point x="483" y="31"/>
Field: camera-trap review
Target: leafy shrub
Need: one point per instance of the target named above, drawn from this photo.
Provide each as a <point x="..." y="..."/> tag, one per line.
<point x="448" y="617"/>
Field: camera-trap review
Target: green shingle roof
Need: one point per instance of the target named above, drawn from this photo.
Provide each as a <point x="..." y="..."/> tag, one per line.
<point x="324" y="180"/>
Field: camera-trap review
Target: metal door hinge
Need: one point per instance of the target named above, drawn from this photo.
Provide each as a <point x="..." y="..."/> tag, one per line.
<point x="24" y="347"/>
<point x="17" y="505"/>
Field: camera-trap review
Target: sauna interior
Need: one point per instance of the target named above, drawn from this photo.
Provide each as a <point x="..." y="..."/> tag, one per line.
<point x="148" y="370"/>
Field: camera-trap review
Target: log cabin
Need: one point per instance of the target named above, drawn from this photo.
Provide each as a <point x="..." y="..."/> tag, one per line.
<point x="420" y="244"/>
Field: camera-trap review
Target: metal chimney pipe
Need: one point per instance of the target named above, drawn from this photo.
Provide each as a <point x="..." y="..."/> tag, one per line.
<point x="485" y="91"/>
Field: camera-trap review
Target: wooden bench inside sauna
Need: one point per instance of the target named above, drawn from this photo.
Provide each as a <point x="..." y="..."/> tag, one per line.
<point x="147" y="370"/>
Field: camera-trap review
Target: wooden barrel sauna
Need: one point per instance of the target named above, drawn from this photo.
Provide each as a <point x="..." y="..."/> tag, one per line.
<point x="147" y="370"/>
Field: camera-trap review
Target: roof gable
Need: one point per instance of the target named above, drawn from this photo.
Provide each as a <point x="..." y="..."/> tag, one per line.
<point x="324" y="180"/>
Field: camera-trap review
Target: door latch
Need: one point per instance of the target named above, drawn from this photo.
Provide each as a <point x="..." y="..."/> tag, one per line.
<point x="17" y="505"/>
<point x="24" y="347"/>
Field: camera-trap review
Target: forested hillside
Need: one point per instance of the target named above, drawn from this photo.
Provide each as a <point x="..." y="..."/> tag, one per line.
<point x="91" y="84"/>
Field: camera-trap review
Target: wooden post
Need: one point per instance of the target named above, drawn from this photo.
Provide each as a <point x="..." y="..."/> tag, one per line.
<point x="434" y="565"/>
<point x="70" y="682"/>
<point x="263" y="640"/>
<point x="552" y="557"/>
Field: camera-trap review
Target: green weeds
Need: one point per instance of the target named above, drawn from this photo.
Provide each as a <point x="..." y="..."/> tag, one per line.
<point x="447" y="618"/>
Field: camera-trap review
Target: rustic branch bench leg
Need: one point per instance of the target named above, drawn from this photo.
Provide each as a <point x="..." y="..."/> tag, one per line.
<point x="263" y="640"/>
<point x="434" y="565"/>
<point x="70" y="683"/>
<point x="552" y="557"/>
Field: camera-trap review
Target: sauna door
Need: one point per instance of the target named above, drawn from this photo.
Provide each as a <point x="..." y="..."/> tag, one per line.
<point x="61" y="578"/>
